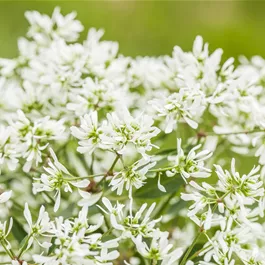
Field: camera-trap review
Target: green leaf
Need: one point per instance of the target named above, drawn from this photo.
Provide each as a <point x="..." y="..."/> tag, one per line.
<point x="18" y="231"/>
<point x="176" y="207"/>
<point x="150" y="189"/>
<point x="166" y="151"/>
<point x="52" y="247"/>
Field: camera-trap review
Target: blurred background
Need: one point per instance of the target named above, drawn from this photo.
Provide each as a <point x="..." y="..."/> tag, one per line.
<point x="152" y="27"/>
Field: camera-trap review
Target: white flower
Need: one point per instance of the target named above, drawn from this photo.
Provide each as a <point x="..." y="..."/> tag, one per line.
<point x="89" y="133"/>
<point x="233" y="195"/>
<point x="82" y="222"/>
<point x="67" y="27"/>
<point x="8" y="154"/>
<point x="76" y="241"/>
<point x="5" y="229"/>
<point x="115" y="212"/>
<point x="130" y="177"/>
<point x="179" y="107"/>
<point x="105" y="255"/>
<point x="252" y="257"/>
<point x="260" y="152"/>
<point x="244" y="188"/>
<point x="58" y="178"/>
<point x="41" y="227"/>
<point x="197" y="68"/>
<point x="122" y="128"/>
<point x="200" y="202"/>
<point x="101" y="52"/>
<point x="43" y="28"/>
<point x="101" y="96"/>
<point x="159" y="248"/>
<point x="34" y="137"/>
<point x="116" y="133"/>
<point x="130" y="224"/>
<point x="141" y="223"/>
<point x="190" y="165"/>
<point x="150" y="72"/>
<point x="5" y="196"/>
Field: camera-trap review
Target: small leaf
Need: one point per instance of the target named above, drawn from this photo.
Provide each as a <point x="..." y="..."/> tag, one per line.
<point x="18" y="231"/>
<point x="52" y="247"/>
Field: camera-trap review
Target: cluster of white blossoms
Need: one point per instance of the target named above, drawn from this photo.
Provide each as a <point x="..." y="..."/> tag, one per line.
<point x="107" y="159"/>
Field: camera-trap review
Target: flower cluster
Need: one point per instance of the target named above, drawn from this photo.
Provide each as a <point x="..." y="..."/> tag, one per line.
<point x="107" y="159"/>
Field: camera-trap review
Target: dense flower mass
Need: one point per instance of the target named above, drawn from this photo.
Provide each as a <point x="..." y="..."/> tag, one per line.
<point x="107" y="159"/>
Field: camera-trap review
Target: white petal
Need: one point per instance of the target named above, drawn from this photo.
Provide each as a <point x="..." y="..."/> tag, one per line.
<point x="160" y="186"/>
<point x="5" y="196"/>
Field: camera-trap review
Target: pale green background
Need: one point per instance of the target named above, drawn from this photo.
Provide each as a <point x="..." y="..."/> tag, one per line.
<point x="152" y="27"/>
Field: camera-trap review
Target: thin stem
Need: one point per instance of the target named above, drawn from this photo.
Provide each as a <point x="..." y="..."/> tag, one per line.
<point x="109" y="172"/>
<point x="11" y="251"/>
<point x="184" y="259"/>
<point x="234" y="133"/>
<point x="220" y="200"/>
<point x="18" y="205"/>
<point x="50" y="198"/>
<point x="197" y="253"/>
<point x="154" y="262"/>
<point x="107" y="223"/>
<point x="108" y="232"/>
<point x="161" y="169"/>
<point x="198" y="235"/>
<point x="114" y="163"/>
<point x="146" y="262"/>
<point x="24" y="246"/>
<point x="92" y="164"/>
<point x="6" y="249"/>
<point x="33" y="169"/>
<point x="85" y="177"/>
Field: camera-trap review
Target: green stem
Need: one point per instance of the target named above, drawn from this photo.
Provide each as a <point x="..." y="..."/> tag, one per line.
<point x="197" y="237"/>
<point x="154" y="262"/>
<point x="18" y="205"/>
<point x="11" y="251"/>
<point x="108" y="232"/>
<point x="85" y="177"/>
<point x="21" y="251"/>
<point x="50" y="198"/>
<point x="6" y="249"/>
<point x="196" y="254"/>
<point x="114" y="163"/>
<point x="184" y="259"/>
<point x="220" y="199"/>
<point x="33" y="169"/>
<point x="161" y="169"/>
<point x="110" y="170"/>
<point x="234" y="133"/>
<point x="92" y="164"/>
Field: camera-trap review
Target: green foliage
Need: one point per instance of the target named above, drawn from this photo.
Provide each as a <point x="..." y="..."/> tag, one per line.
<point x="18" y="231"/>
<point x="150" y="190"/>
